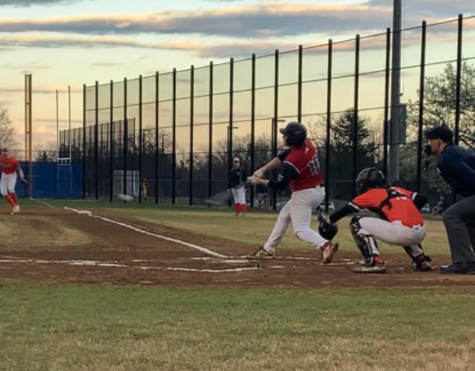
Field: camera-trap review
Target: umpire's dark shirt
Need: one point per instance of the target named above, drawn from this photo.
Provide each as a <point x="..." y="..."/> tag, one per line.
<point x="457" y="167"/>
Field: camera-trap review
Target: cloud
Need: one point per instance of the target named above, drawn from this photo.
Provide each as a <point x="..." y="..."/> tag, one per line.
<point x="22" y="67"/>
<point x="49" y="89"/>
<point x="261" y="20"/>
<point x="430" y="7"/>
<point x="105" y="64"/>
<point x="27" y="3"/>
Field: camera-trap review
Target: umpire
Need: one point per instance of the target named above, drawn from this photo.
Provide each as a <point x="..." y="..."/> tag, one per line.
<point x="457" y="167"/>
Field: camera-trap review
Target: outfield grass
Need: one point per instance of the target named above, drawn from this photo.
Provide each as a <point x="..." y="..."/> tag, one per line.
<point x="254" y="228"/>
<point x="46" y="327"/>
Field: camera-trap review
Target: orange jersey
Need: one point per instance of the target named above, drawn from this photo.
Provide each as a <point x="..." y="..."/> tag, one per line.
<point x="9" y="165"/>
<point x="393" y="204"/>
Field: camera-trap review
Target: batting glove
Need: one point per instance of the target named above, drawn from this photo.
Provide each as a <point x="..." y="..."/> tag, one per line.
<point x="259" y="173"/>
<point x="253" y="180"/>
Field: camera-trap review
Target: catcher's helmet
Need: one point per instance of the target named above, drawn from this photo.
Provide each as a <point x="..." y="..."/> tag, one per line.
<point x="369" y="178"/>
<point x="327" y="231"/>
<point x="295" y="133"/>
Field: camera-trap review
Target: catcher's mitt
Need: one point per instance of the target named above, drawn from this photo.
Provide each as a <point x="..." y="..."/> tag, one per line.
<point x="326" y="230"/>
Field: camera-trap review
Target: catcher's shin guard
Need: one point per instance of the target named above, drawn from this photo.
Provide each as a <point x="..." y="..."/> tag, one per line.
<point x="365" y="242"/>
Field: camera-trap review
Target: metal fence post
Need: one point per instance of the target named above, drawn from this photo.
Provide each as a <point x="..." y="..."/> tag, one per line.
<point x="300" y="72"/>
<point x="156" y="134"/>
<point x="231" y="121"/>
<point x="126" y="138"/>
<point x="210" y="148"/>
<point x="386" y="102"/>
<point x="174" y="140"/>
<point x="421" y="107"/>
<point x="274" y="123"/>
<point x="192" y="115"/>
<point x="329" y="123"/>
<point x="459" y="78"/>
<point x="355" y="114"/>
<point x="111" y="140"/>
<point x="253" y="124"/>
<point x="84" y="165"/>
<point x="96" y="145"/>
<point x="140" y="140"/>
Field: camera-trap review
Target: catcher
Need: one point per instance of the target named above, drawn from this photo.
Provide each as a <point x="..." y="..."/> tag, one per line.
<point x="299" y="167"/>
<point x="401" y="223"/>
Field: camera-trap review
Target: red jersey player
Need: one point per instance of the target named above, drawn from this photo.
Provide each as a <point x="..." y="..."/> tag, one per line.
<point x="400" y="221"/>
<point x="10" y="168"/>
<point x="301" y="168"/>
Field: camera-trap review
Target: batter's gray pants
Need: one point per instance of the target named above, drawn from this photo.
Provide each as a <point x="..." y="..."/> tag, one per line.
<point x="459" y="221"/>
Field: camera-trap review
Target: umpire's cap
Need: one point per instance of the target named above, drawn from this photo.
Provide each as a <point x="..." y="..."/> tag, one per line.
<point x="295" y="133"/>
<point x="442" y="132"/>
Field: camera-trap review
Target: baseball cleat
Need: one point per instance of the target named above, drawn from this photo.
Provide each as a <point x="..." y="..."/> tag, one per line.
<point x="16" y="209"/>
<point x="262" y="254"/>
<point x="423" y="264"/>
<point x="329" y="251"/>
<point x="376" y="268"/>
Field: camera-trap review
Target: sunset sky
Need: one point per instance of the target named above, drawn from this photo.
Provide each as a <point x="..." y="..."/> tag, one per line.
<point x="74" y="42"/>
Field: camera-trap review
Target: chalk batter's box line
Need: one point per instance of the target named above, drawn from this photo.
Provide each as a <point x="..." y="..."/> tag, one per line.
<point x="92" y="263"/>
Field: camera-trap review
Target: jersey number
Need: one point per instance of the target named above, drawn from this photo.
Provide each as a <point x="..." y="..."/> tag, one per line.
<point x="314" y="165"/>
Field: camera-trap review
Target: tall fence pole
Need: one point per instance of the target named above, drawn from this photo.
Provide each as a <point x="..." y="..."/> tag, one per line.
<point x="329" y="123"/>
<point x="126" y="138"/>
<point x="253" y="123"/>
<point x="393" y="173"/>
<point x="111" y="140"/>
<point x="140" y="140"/>
<point x="421" y="107"/>
<point x="210" y="148"/>
<point x="84" y="165"/>
<point x="355" y="113"/>
<point x="274" y="122"/>
<point x="231" y="121"/>
<point x="174" y="140"/>
<point x="300" y="77"/>
<point x="386" y="102"/>
<point x="157" y="118"/>
<point x="192" y="116"/>
<point x="96" y="145"/>
<point x="458" y="86"/>
<point x="459" y="78"/>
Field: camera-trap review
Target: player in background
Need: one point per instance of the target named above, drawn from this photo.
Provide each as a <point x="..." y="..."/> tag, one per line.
<point x="301" y="168"/>
<point x="145" y="188"/>
<point x="10" y="169"/>
<point x="401" y="223"/>
<point x="237" y="184"/>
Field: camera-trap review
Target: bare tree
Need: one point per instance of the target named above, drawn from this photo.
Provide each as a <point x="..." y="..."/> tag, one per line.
<point x="7" y="131"/>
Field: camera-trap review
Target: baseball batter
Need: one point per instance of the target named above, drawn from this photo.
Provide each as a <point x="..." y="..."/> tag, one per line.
<point x="237" y="183"/>
<point x="301" y="168"/>
<point x="10" y="169"/>
<point x="401" y="223"/>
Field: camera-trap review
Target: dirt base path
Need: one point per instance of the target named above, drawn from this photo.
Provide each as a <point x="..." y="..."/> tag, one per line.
<point x="55" y="245"/>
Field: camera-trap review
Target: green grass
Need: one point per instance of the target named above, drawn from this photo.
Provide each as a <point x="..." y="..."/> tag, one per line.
<point x="254" y="228"/>
<point x="47" y="327"/>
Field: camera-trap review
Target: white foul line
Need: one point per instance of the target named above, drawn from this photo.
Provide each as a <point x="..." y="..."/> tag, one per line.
<point x="196" y="247"/>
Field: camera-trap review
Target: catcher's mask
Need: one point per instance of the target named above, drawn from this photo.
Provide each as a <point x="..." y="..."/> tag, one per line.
<point x="369" y="178"/>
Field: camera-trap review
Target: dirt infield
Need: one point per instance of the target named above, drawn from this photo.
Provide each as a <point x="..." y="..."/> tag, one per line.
<point x="55" y="245"/>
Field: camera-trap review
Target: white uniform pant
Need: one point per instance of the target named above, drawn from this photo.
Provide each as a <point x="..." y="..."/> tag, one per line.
<point x="239" y="195"/>
<point x="8" y="183"/>
<point x="393" y="233"/>
<point x="298" y="211"/>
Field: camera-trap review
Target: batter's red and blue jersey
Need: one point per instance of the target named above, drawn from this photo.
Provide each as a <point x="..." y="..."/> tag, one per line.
<point x="300" y="167"/>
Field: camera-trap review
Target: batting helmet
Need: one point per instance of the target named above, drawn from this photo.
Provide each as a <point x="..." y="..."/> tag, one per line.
<point x="295" y="133"/>
<point x="369" y="178"/>
<point x="327" y="231"/>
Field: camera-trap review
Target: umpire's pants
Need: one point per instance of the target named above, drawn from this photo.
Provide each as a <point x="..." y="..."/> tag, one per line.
<point x="459" y="221"/>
